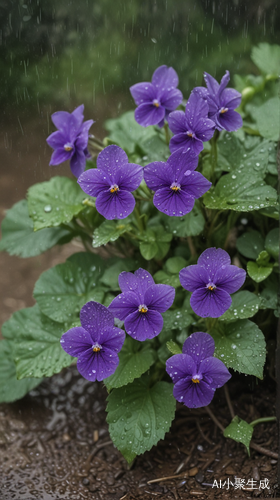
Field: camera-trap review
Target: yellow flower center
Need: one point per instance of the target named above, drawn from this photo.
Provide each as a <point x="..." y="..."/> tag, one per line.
<point x="210" y="287"/>
<point x="223" y="110"/>
<point x="190" y="134"/>
<point x="175" y="186"/>
<point x="156" y="103"/>
<point x="195" y="380"/>
<point x="114" y="189"/>
<point x="142" y="308"/>
<point x="68" y="148"/>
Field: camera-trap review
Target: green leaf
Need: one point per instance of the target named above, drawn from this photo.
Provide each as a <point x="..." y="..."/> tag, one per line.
<point x="240" y="431"/>
<point x="267" y="118"/>
<point x="179" y="318"/>
<point x="12" y="389"/>
<point x="127" y="133"/>
<point x="250" y="244"/>
<point x="240" y="192"/>
<point x="263" y="258"/>
<point x="175" y="264"/>
<point x="173" y="347"/>
<point x="62" y="290"/>
<point x="167" y="279"/>
<point x="269" y="295"/>
<point x="241" y="346"/>
<point x="267" y="58"/>
<point x="154" y="148"/>
<point x="190" y="224"/>
<point x="234" y="157"/>
<point x="37" y="349"/>
<point x="272" y="243"/>
<point x="155" y="242"/>
<point x="55" y="202"/>
<point x="19" y="238"/>
<point x="109" y="231"/>
<point x="140" y="415"/>
<point x="135" y="359"/>
<point x="244" y="305"/>
<point x="148" y="250"/>
<point x="111" y="276"/>
<point x="257" y="272"/>
<point x="272" y="212"/>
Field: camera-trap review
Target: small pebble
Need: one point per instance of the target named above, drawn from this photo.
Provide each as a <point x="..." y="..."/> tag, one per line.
<point x="195" y="492"/>
<point x="255" y="473"/>
<point x="193" y="471"/>
<point x="230" y="471"/>
<point x="273" y="462"/>
<point x="85" y="481"/>
<point x="66" y="438"/>
<point x="199" y="477"/>
<point x="266" y="468"/>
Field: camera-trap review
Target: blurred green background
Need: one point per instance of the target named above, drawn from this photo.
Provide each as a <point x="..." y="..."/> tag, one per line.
<point x="65" y="52"/>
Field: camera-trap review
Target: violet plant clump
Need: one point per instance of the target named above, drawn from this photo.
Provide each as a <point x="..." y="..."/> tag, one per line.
<point x="181" y="249"/>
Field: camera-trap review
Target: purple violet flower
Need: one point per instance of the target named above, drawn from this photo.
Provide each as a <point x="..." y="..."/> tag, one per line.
<point x="112" y="183"/>
<point x="95" y="343"/>
<point x="141" y="304"/>
<point x="196" y="373"/>
<point x="211" y="281"/>
<point x="222" y="102"/>
<point x="70" y="140"/>
<point x="155" y="100"/>
<point x="175" y="183"/>
<point x="191" y="128"/>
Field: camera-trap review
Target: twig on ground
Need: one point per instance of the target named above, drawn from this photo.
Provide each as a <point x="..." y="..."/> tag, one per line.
<point x="229" y="401"/>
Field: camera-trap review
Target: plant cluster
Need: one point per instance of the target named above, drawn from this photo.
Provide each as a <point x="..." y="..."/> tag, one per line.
<point x="181" y="249"/>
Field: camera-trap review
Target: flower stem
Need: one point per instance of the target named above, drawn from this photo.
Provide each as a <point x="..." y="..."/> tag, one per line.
<point x="139" y="219"/>
<point x="262" y="420"/>
<point x="214" y="153"/>
<point x="166" y="133"/>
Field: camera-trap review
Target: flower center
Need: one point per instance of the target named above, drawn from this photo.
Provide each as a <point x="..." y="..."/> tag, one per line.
<point x="67" y="146"/>
<point x="114" y="188"/>
<point x="175" y="186"/>
<point x="142" y="308"/>
<point x="156" y="103"/>
<point x="196" y="378"/>
<point x="190" y="134"/>
<point x="211" y="286"/>
<point x="223" y="110"/>
<point x="96" y="347"/>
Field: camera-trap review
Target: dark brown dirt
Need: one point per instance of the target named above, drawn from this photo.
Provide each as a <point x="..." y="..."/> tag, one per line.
<point x="54" y="444"/>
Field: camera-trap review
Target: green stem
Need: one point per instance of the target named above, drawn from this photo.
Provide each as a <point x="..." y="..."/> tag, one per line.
<point x="166" y="133"/>
<point x="214" y="153"/>
<point x="139" y="219"/>
<point x="262" y="420"/>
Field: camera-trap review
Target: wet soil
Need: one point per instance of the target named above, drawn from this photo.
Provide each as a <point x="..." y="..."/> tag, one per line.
<point x="54" y="444"/>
